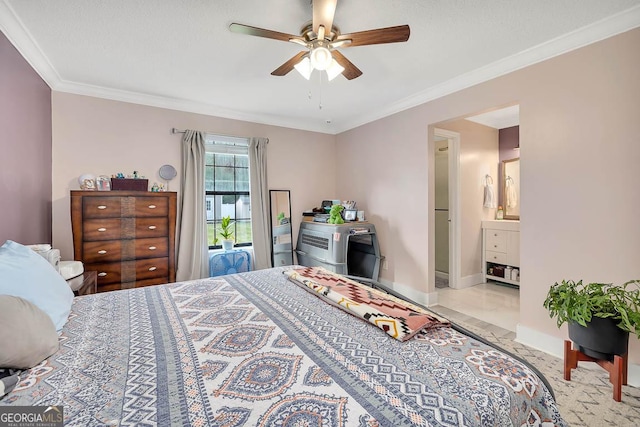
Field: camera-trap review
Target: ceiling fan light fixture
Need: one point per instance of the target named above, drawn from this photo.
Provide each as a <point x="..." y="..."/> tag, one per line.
<point x="334" y="70"/>
<point x="321" y="58"/>
<point x="304" y="67"/>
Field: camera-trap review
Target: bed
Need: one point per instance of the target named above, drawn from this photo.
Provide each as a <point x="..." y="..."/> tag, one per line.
<point x="262" y="349"/>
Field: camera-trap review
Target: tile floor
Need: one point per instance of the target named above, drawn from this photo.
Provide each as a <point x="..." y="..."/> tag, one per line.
<point x="487" y="304"/>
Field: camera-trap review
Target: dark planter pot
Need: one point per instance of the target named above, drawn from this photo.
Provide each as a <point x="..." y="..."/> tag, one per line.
<point x="601" y="339"/>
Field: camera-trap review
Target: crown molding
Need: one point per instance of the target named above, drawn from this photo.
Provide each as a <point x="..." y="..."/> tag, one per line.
<point x="184" y="105"/>
<point x="20" y="37"/>
<point x="600" y="30"/>
<point x="17" y="33"/>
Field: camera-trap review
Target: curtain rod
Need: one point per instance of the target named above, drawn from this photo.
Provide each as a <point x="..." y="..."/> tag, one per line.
<point x="175" y="130"/>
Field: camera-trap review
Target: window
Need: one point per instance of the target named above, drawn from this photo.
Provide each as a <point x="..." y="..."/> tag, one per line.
<point x="227" y="188"/>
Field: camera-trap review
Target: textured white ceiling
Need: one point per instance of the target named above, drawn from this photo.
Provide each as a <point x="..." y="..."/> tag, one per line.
<point x="181" y="55"/>
<point x="499" y="119"/>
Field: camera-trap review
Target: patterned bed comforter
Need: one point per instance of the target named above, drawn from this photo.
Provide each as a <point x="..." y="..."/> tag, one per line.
<point x="255" y="349"/>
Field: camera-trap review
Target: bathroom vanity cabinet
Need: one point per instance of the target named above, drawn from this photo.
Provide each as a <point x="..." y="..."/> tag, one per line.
<point x="501" y="251"/>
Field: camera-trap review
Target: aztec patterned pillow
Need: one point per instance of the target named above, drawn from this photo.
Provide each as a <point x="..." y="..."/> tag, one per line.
<point x="400" y="319"/>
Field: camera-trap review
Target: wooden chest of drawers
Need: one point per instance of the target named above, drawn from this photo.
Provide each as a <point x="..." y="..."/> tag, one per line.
<point x="128" y="237"/>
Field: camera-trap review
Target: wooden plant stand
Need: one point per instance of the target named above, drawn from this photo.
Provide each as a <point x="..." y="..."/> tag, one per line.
<point x="617" y="369"/>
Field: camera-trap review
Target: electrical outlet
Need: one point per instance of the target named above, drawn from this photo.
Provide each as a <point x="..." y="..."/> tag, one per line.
<point x="385" y="264"/>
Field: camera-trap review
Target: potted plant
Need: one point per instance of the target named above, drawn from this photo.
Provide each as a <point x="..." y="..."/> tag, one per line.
<point x="599" y="315"/>
<point x="226" y="232"/>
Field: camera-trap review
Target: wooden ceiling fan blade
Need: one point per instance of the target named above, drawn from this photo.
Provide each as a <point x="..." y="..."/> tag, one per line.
<point x="323" y="13"/>
<point x="288" y="66"/>
<point x="396" y="34"/>
<point x="261" y="32"/>
<point x="350" y="71"/>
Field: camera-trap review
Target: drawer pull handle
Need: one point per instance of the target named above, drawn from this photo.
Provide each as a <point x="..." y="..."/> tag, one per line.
<point x="495" y="246"/>
<point x="495" y="234"/>
<point x="153" y="268"/>
<point x="152" y="227"/>
<point x="102" y="274"/>
<point x="495" y="257"/>
<point x="102" y="207"/>
<point x="152" y="248"/>
<point x="102" y="229"/>
<point x="102" y="252"/>
<point x="152" y="206"/>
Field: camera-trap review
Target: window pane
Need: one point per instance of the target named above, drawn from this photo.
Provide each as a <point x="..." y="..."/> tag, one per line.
<point x="224" y="159"/>
<point x="211" y="236"/>
<point x="243" y="231"/>
<point x="208" y="158"/>
<point x="243" y="207"/>
<point x="224" y="178"/>
<point x="242" y="179"/>
<point x="209" y="206"/>
<point x="242" y="161"/>
<point x="227" y="206"/>
<point x="208" y="178"/>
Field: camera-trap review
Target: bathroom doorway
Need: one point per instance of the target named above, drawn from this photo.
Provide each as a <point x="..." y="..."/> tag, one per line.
<point x="445" y="259"/>
<point x="441" y="170"/>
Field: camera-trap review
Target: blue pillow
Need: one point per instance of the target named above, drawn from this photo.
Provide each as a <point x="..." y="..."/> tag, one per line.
<point x="25" y="274"/>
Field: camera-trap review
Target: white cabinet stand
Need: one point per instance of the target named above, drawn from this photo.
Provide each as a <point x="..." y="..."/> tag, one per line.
<point x="501" y="250"/>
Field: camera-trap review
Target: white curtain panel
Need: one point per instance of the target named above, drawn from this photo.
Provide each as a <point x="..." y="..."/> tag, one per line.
<point x="260" y="229"/>
<point x="192" y="258"/>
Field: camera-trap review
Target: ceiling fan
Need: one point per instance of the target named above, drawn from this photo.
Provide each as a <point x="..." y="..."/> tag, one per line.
<point x="321" y="39"/>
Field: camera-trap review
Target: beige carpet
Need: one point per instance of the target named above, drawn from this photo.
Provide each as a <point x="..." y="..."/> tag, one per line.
<point x="586" y="400"/>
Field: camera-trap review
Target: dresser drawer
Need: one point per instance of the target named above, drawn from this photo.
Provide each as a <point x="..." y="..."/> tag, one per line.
<point x="102" y="251"/>
<point x="114" y="206"/>
<point x="152" y="268"/>
<point x="151" y="206"/>
<point x="150" y="282"/>
<point x="496" y="257"/>
<point x="151" y="227"/>
<point x="102" y="207"/>
<point x="124" y="228"/>
<point x="114" y="250"/>
<point x="149" y="248"/>
<point x="496" y="240"/>
<point x="102" y="229"/>
<point x="108" y="272"/>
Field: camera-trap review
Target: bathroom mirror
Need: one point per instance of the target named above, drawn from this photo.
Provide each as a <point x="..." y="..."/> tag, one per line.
<point x="511" y="188"/>
<point x="282" y="241"/>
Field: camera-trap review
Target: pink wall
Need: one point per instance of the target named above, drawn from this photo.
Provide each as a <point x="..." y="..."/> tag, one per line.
<point x="25" y="150"/>
<point x="579" y="132"/>
<point x="99" y="136"/>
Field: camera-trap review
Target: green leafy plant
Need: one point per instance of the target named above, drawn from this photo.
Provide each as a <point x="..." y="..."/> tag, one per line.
<point x="226" y="228"/>
<point x="571" y="301"/>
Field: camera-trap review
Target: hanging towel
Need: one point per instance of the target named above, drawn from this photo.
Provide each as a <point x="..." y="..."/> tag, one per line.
<point x="489" y="198"/>
<point x="511" y="196"/>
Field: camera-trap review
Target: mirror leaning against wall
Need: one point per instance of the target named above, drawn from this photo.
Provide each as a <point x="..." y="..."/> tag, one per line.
<point x="511" y="188"/>
<point x="281" y="234"/>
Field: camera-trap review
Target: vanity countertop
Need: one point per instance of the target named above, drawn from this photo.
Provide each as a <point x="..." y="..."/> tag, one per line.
<point x="504" y="224"/>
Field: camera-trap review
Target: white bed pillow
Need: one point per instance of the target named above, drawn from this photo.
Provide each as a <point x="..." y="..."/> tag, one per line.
<point x="25" y="274"/>
<point x="30" y="336"/>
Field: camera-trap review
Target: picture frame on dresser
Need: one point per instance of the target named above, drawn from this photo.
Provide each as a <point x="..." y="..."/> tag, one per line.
<point x="127" y="237"/>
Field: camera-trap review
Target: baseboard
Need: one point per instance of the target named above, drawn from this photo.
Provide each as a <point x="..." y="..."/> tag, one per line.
<point x="424" y="298"/>
<point x="442" y="275"/>
<point x="555" y="346"/>
<point x="469" y="281"/>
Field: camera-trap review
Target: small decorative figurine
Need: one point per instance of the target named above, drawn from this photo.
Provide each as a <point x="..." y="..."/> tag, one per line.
<point x="135" y="174"/>
<point x="154" y="188"/>
<point x="161" y="187"/>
